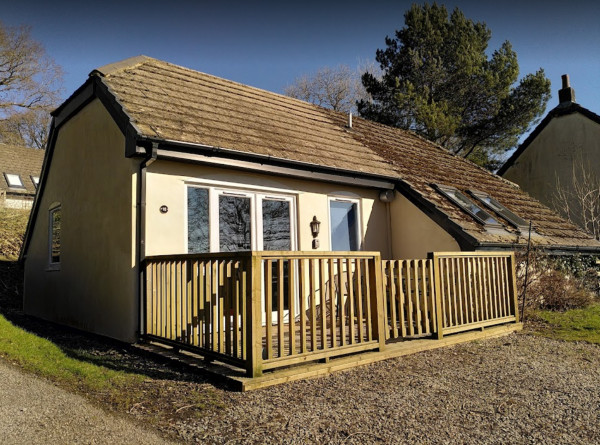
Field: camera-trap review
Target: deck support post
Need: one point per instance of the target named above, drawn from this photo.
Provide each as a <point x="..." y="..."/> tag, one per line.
<point x="512" y="284"/>
<point x="378" y="315"/>
<point x="438" y="294"/>
<point x="254" y="317"/>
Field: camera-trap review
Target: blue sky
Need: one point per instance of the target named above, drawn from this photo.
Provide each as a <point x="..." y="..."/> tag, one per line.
<point x="269" y="44"/>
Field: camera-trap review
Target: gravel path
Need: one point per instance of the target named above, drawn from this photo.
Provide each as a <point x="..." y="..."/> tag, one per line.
<point x="33" y="411"/>
<point x="515" y="389"/>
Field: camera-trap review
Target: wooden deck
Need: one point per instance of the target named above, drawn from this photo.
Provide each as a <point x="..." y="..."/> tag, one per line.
<point x="236" y="379"/>
<point x="263" y="311"/>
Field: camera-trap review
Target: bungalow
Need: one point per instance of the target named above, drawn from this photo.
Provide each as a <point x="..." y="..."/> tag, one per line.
<point x="196" y="208"/>
<point x="19" y="175"/>
<point x="561" y="155"/>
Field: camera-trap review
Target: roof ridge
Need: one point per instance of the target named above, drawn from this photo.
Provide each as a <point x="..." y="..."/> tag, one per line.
<point x="112" y="68"/>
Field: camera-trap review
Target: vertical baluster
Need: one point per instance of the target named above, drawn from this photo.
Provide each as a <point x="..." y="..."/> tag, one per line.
<point x="292" y="304"/>
<point x="302" y="303"/>
<point x="342" y="301"/>
<point x="351" y="320"/>
<point x="369" y="302"/>
<point x="268" y="267"/>
<point x="280" y="309"/>
<point x="424" y="305"/>
<point x="313" y="304"/>
<point x="332" y="302"/>
<point x="391" y="286"/>
<point x="359" y="301"/>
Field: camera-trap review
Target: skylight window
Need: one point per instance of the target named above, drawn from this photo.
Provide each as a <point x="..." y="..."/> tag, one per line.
<point x="468" y="206"/>
<point x="495" y="206"/>
<point x="13" y="180"/>
<point x="35" y="180"/>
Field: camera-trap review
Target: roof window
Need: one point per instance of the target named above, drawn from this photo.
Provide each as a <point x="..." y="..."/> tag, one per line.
<point x="14" y="180"/>
<point x="468" y="206"/>
<point x="35" y="180"/>
<point x="495" y="206"/>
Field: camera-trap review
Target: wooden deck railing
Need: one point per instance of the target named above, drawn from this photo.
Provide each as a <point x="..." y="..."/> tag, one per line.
<point x="409" y="297"/>
<point x="264" y="310"/>
<point x="474" y="290"/>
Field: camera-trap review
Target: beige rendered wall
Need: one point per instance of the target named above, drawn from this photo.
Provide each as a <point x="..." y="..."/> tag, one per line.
<point x="564" y="142"/>
<point x="166" y="182"/>
<point x="96" y="286"/>
<point x="414" y="234"/>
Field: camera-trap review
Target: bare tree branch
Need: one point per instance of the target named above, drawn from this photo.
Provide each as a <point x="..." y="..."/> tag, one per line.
<point x="30" y="87"/>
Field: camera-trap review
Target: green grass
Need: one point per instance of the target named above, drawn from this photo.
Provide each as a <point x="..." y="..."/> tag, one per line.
<point x="572" y="325"/>
<point x="44" y="358"/>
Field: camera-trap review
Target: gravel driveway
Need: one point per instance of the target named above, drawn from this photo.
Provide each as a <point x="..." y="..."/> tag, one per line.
<point x="514" y="389"/>
<point x="33" y="411"/>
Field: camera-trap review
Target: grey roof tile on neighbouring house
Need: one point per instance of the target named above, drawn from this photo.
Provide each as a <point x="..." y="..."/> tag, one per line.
<point x="172" y="104"/>
<point x="22" y="161"/>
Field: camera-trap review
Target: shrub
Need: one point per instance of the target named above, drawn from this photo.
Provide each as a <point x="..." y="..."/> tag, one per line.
<point x="556" y="282"/>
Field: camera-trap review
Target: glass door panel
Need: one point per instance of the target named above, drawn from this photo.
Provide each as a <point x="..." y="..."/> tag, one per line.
<point x="276" y="224"/>
<point x="235" y="227"/>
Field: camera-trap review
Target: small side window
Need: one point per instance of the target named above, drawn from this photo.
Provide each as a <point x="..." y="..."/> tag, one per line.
<point x="54" y="244"/>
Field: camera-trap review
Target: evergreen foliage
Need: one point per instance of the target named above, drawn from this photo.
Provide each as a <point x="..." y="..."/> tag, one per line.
<point x="439" y="82"/>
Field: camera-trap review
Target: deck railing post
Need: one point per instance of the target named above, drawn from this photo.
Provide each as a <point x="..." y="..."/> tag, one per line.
<point x="378" y="315"/>
<point x="512" y="284"/>
<point x="435" y="263"/>
<point x="254" y="317"/>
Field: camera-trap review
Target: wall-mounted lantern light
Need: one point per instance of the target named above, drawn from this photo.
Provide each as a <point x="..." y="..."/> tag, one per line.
<point x="315" y="226"/>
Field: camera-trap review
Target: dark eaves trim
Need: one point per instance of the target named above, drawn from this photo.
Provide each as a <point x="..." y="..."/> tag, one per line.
<point x="553" y="250"/>
<point x="209" y="155"/>
<point x="560" y="110"/>
<point x="93" y="88"/>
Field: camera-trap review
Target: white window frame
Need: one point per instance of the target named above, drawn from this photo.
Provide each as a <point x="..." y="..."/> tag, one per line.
<point x="256" y="197"/>
<point x="10" y="180"/>
<point x="54" y="265"/>
<point x="35" y="180"/>
<point x="359" y="234"/>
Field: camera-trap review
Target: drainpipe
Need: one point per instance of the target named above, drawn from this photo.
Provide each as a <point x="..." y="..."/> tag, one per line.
<point x="151" y="154"/>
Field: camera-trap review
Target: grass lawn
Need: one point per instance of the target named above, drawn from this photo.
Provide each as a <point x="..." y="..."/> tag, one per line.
<point x="572" y="325"/>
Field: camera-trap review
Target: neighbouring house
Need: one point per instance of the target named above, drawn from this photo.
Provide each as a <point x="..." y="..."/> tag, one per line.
<point x="20" y="169"/>
<point x="562" y="157"/>
<point x="196" y="208"/>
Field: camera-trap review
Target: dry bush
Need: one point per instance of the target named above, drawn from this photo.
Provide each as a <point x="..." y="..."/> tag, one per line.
<point x="556" y="282"/>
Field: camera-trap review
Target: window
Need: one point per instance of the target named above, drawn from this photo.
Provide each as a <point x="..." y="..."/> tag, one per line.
<point x="228" y="220"/>
<point x="468" y="206"/>
<point x="35" y="180"/>
<point x="14" y="180"/>
<point x="198" y="234"/>
<point x="343" y="218"/>
<point x="54" y="230"/>
<point x="495" y="206"/>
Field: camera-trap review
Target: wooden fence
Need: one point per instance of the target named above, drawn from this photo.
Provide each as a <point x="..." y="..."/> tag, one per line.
<point x="474" y="290"/>
<point x="264" y="310"/>
<point x="409" y="296"/>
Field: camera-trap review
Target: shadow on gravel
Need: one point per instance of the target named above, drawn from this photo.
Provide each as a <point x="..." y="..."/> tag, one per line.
<point x="81" y="345"/>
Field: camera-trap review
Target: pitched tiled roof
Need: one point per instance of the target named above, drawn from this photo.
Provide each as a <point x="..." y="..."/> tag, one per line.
<point x="22" y="161"/>
<point x="171" y="103"/>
